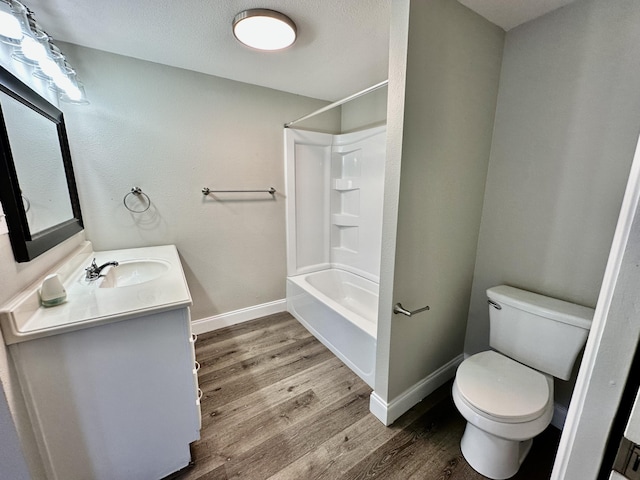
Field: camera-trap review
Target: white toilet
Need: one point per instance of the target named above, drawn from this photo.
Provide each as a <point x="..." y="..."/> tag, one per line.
<point x="506" y="395"/>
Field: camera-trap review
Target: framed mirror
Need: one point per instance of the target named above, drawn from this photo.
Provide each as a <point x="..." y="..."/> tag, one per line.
<point x="37" y="184"/>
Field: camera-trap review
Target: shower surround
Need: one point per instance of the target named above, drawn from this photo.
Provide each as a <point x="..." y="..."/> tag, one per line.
<point x="334" y="188"/>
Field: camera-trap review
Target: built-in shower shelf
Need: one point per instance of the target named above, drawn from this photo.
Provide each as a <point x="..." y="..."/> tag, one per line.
<point x="346" y="184"/>
<point x="345" y="220"/>
<point x="345" y="250"/>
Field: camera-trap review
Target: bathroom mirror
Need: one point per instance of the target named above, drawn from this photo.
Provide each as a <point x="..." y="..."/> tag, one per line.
<point x="37" y="184"/>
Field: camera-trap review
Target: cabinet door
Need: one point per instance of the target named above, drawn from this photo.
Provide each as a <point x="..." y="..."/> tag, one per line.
<point x="113" y="401"/>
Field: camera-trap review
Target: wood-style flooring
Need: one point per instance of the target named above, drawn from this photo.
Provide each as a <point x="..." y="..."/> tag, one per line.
<point x="278" y="405"/>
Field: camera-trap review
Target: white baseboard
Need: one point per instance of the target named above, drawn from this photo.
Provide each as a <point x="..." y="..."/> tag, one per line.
<point x="388" y="413"/>
<point x="235" y="317"/>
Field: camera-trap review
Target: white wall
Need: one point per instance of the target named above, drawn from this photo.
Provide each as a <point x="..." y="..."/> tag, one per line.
<point x="14" y="277"/>
<point x="445" y="111"/>
<point x="565" y="130"/>
<point x="173" y="132"/>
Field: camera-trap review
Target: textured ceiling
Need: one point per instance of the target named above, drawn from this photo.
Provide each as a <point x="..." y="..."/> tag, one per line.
<point x="341" y="49"/>
<point x="511" y="13"/>
<point x="342" y="45"/>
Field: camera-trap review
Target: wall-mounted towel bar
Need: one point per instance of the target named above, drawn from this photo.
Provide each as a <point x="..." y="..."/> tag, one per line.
<point x="207" y="191"/>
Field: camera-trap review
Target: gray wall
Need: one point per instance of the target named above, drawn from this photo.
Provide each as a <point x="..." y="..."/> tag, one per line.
<point x="14" y="277"/>
<point x="12" y="463"/>
<point x="452" y="71"/>
<point x="173" y="132"/>
<point x="566" y="125"/>
<point x="367" y="111"/>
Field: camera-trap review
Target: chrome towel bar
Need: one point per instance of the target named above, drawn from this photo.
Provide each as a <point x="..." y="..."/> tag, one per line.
<point x="398" y="308"/>
<point x="207" y="191"/>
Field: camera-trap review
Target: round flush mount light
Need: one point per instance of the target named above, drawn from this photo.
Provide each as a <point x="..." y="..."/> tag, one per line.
<point x="264" y="29"/>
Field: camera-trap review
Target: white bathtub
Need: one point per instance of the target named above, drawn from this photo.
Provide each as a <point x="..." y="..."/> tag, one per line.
<point x="340" y="309"/>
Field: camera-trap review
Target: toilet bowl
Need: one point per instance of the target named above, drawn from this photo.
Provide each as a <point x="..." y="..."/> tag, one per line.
<point x="506" y="394"/>
<point x="505" y="405"/>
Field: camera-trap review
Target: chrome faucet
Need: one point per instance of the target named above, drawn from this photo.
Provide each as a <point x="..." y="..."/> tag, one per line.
<point x="93" y="272"/>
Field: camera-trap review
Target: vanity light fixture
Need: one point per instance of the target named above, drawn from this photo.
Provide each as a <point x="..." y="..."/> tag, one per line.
<point x="33" y="46"/>
<point x="264" y="29"/>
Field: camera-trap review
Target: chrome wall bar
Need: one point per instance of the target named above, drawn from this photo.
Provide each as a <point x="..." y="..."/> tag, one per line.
<point x="207" y="191"/>
<point x="339" y="102"/>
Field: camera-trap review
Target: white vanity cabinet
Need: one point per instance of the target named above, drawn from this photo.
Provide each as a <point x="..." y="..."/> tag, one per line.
<point x="109" y="377"/>
<point x="115" y="401"/>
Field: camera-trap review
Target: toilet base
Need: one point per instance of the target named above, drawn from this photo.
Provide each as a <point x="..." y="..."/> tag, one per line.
<point x="492" y="456"/>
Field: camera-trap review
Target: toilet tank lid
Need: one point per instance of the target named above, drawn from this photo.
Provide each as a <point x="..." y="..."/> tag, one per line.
<point x="541" y="305"/>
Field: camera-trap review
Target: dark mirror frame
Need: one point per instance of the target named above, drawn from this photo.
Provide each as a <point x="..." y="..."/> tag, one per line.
<point x="25" y="245"/>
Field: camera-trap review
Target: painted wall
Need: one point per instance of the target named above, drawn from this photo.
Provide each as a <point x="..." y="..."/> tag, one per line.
<point x="13" y="278"/>
<point x="12" y="463"/>
<point x="173" y="132"/>
<point x="452" y="71"/>
<point x="566" y="124"/>
<point x="609" y="352"/>
<point x="170" y="132"/>
<point x="367" y="111"/>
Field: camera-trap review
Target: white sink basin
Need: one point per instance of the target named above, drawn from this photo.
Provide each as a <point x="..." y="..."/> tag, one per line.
<point x="133" y="272"/>
<point x="147" y="280"/>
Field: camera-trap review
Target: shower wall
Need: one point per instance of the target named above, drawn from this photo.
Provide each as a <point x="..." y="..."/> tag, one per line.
<point x="334" y="207"/>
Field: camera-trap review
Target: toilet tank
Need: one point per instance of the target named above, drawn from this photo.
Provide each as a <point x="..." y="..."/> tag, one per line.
<point x="542" y="332"/>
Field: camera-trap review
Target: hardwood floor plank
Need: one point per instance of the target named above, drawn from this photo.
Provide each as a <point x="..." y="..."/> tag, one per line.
<point x="253" y="431"/>
<point x="278" y="405"/>
<point x="267" y="458"/>
<point x="255" y="373"/>
<point x="341" y="452"/>
<point x="267" y="360"/>
<point x="418" y="439"/>
<point x="325" y="380"/>
<point x="216" y="355"/>
<point x="264" y="324"/>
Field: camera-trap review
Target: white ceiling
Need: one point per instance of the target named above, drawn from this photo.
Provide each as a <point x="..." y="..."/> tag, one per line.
<point x="341" y="49"/>
<point x="511" y="13"/>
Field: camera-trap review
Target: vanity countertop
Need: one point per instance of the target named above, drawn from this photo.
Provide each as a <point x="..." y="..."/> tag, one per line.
<point x="87" y="305"/>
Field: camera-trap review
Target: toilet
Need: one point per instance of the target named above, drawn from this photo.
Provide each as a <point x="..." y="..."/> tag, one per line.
<point x="506" y="394"/>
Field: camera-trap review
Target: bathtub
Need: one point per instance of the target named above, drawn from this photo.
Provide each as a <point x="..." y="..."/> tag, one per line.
<point x="340" y="309"/>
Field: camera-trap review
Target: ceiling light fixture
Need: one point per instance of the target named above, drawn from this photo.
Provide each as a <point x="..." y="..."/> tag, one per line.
<point x="264" y="29"/>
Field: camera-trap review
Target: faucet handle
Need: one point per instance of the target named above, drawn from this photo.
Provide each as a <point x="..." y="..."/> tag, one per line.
<point x="92" y="270"/>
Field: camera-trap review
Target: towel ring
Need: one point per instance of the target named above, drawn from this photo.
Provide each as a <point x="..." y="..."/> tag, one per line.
<point x="26" y="203"/>
<point x="137" y="192"/>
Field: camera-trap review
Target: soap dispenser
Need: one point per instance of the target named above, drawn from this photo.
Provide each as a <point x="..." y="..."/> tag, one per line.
<point x="52" y="292"/>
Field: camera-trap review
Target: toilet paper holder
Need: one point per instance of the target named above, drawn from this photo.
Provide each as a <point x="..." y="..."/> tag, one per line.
<point x="398" y="308"/>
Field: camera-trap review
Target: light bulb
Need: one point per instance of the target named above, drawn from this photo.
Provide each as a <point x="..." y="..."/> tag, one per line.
<point x="49" y="67"/>
<point x="33" y="49"/>
<point x="9" y="26"/>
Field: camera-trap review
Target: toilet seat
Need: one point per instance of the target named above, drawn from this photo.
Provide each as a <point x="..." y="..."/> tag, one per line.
<point x="503" y="389"/>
